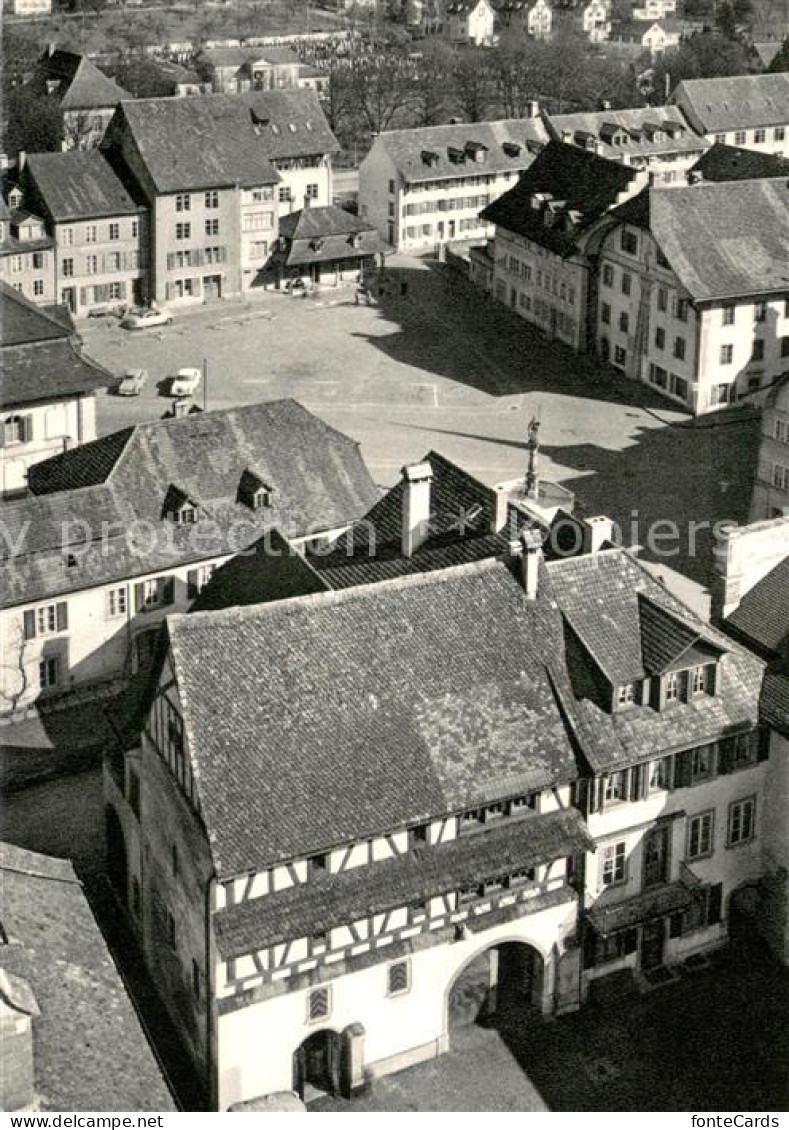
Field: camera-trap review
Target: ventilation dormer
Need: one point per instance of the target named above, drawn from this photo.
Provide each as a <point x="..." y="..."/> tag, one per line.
<point x="254" y="492"/>
<point x="455" y="155"/>
<point x="179" y="507"/>
<point x="429" y="157"/>
<point x="476" y="151"/>
<point x="511" y="148"/>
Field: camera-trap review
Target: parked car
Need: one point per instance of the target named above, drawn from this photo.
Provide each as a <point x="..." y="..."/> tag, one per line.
<point x="185" y="382"/>
<point x="108" y="310"/>
<point x="140" y="318"/>
<point x="132" y="382"/>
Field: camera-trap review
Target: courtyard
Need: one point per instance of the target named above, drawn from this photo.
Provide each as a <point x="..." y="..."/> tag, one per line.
<point x="443" y="367"/>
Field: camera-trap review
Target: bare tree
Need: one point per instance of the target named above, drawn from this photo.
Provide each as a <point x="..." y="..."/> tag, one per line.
<point x="472" y="81"/>
<point x="381" y="83"/>
<point x="432" y="83"/>
<point x="16" y="681"/>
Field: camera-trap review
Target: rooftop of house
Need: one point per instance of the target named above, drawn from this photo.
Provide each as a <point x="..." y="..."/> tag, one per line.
<point x="90" y="1052"/>
<point x="766" y="50"/>
<point x="22" y="322"/>
<point x="728" y="162"/>
<point x="736" y="102"/>
<point x="79" y="185"/>
<point x="315" y="479"/>
<point x="81" y="85"/>
<point x="224" y="139"/>
<point x="620" y="133"/>
<point x="762" y="617"/>
<point x="327" y="234"/>
<point x="452" y="706"/>
<point x="723" y="240"/>
<point x="560" y="195"/>
<point x="472" y="149"/>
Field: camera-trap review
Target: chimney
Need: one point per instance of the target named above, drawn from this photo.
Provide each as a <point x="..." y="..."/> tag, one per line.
<point x="532" y="109"/>
<point x="531" y="556"/>
<point x="181" y="406"/>
<point x="17" y="1009"/>
<point x="567" y="135"/>
<point x="597" y="531"/>
<point x="21" y="160"/>
<point x="501" y="509"/>
<point x="417" y="478"/>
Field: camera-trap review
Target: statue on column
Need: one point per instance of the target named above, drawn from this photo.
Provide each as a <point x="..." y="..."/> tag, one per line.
<point x="533" y="447"/>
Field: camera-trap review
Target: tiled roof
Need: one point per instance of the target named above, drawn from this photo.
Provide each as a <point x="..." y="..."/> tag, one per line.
<point x="736" y="102"/>
<point x="289" y="123"/>
<point x="664" y="638"/>
<point x="90" y="1052"/>
<point x="647" y="129"/>
<point x="450" y="706"/>
<point x="655" y="902"/>
<point x="82" y="85"/>
<point x="599" y="596"/>
<point x="319" y="223"/>
<point x="762" y="617"/>
<point x="79" y="185"/>
<point x="271" y="569"/>
<point x="582" y="187"/>
<point x="435" y="152"/>
<point x="22" y="322"/>
<point x="226" y="57"/>
<point x="727" y="163"/>
<point x="775" y="697"/>
<point x="333" y="900"/>
<point x="318" y="476"/>
<point x="322" y="235"/>
<point x="727" y="239"/>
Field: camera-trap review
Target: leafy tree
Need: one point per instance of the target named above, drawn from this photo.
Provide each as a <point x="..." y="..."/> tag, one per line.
<point x="726" y="20"/>
<point x="34" y="124"/>
<point x="705" y="55"/>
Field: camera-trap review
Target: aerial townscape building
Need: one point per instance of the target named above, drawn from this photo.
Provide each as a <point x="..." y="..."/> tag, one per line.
<point x="749" y="111"/>
<point x="85" y="97"/>
<point x="27" y="253"/>
<point x="771" y="489"/>
<point x="470" y="22"/>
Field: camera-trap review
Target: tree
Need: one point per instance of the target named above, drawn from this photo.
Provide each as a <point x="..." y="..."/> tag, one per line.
<point x="516" y="73"/>
<point x="726" y="20"/>
<point x="781" y="60"/>
<point x="431" y="84"/>
<point x="34" y="123"/>
<point x="338" y="98"/>
<point x="381" y="84"/>
<point x="472" y="82"/>
<point x="704" y="55"/>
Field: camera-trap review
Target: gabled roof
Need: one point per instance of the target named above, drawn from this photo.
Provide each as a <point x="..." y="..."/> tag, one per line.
<point x="510" y="146"/>
<point x="728" y="162"/>
<point x="762" y="616"/>
<point x="22" y="322"/>
<point x="435" y="689"/>
<point x="736" y="102"/>
<point x="328" y="234"/>
<point x="79" y="185"/>
<point x="666" y="640"/>
<point x="89" y="1049"/>
<point x="82" y="85"/>
<point x="581" y="185"/>
<point x="319" y="477"/>
<point x="648" y="129"/>
<point x="270" y="569"/>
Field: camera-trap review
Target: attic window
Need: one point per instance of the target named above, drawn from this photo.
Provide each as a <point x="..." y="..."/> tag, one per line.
<point x="254" y="492"/>
<point x="308" y="127"/>
<point x="275" y="129"/>
<point x="511" y="148"/>
<point x="53" y="85"/>
<point x="456" y="156"/>
<point x="476" y="151"/>
<point x="355" y="240"/>
<point x="179" y="508"/>
<point x="429" y="157"/>
<point x="291" y="127"/>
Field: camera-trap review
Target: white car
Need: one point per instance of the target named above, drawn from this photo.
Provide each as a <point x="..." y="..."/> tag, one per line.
<point x="140" y="318"/>
<point x="185" y="382"/>
<point x="133" y="382"/>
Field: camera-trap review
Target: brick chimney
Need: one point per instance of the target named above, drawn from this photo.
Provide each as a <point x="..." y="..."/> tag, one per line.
<point x="531" y="556"/>
<point x="17" y="1009"/>
<point x="417" y="478"/>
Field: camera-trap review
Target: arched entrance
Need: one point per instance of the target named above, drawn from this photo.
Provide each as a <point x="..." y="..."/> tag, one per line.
<point x="497" y="987"/>
<point x="317" y="1064"/>
<point x="117" y="864"/>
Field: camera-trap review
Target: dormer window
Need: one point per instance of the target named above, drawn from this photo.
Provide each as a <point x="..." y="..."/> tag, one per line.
<point x="355" y="240"/>
<point x="254" y="492"/>
<point x="53" y="85"/>
<point x="673" y="686"/>
<point x="615" y="786"/>
<point x="317" y="864"/>
<point x="179" y="507"/>
<point x="627" y="695"/>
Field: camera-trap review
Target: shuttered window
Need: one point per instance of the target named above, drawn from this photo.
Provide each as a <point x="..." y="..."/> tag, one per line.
<point x="319" y="1004"/>
<point x="46" y="621"/>
<point x="399" y="978"/>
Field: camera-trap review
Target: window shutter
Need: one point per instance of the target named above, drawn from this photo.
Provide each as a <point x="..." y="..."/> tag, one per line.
<point x="139" y="598"/>
<point x="192" y="584"/>
<point x="590" y="947"/>
<point x="715" y="904"/>
<point x="630" y="942"/>
<point x="683" y="769"/>
<point x="27" y="428"/>
<point x="167" y="590"/>
<point x="764" y="744"/>
<point x="725" y="756"/>
<point x="83" y="295"/>
<point x="30" y="624"/>
<point x="637" y="782"/>
<point x="62" y="616"/>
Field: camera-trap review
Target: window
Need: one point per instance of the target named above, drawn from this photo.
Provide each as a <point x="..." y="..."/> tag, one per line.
<point x="624" y="322"/>
<point x="785" y="346"/>
<point x="46" y="621"/>
<point x="779" y="133"/>
<point x="781" y="477"/>
<point x="38" y="287"/>
<point x="679" y="348"/>
<point x="757" y="352"/>
<point x="183" y="231"/>
<point x="620" y="356"/>
<point x="312" y="192"/>
<point x="48" y="673"/>
<point x="660" y="773"/>
<point x="720" y="138"/>
<point x="183" y="202"/>
<point x="742" y="821"/>
<point x="418" y="835"/>
<point x="627" y="695"/>
<point x="702" y="761"/>
<point x="197" y="579"/>
<point x="759" y="311"/>
<point x="613" y="864"/>
<point x="608" y="275"/>
<point x="156" y="593"/>
<point x="170" y="932"/>
<point x="662" y="299"/>
<point x="782" y="431"/>
<point x="728" y="315"/>
<point x="91" y="264"/>
<point x="398" y="978"/>
<point x="629" y="242"/>
<point x="38" y="260"/>
<point x="284" y="194"/>
<point x="740" y="137"/>
<point x="68" y="268"/>
<point x="115" y="231"/>
<point x="114" y="261"/>
<point x="391" y="186"/>
<point x="681" y="309"/>
<point x="605" y="314"/>
<point x="91" y="233"/>
<point x="660" y="337"/>
<point x="627" y="282"/>
<point x="672" y="686"/>
<point x="726" y="354"/>
<point x="135" y="228"/>
<point x="743" y="749"/>
<point x="117" y="601"/>
<point x="319" y="1003"/>
<point x="212" y="199"/>
<point x="615" y="786"/>
<point x="699" y="681"/>
<point x="317" y="864"/>
<point x="212" y="227"/>
<point x="67" y="235"/>
<point x="759" y="136"/>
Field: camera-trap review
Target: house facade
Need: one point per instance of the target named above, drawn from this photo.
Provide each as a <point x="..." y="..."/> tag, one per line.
<point x="100" y="233"/>
<point x="655" y="36"/>
<point x="424" y="188"/>
<point x="47" y="394"/>
<point x="596" y="20"/>
<point x="748" y="111"/>
<point x="654" y="9"/>
<point x="470" y="22"/>
<point x="532" y="17"/>
<point x="31" y="7"/>
<point x="542" y="269"/>
<point x="27" y="253"/>
<point x="770" y="497"/>
<point x="84" y="95"/>
<point x="678" y="308"/>
<point x="82" y="606"/>
<point x="657" y="139"/>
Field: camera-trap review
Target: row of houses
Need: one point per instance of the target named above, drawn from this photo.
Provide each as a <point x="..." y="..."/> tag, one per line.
<point x="586" y="786"/>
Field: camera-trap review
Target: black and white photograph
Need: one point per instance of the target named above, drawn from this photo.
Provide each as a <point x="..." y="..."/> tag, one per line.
<point x="394" y="578"/>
